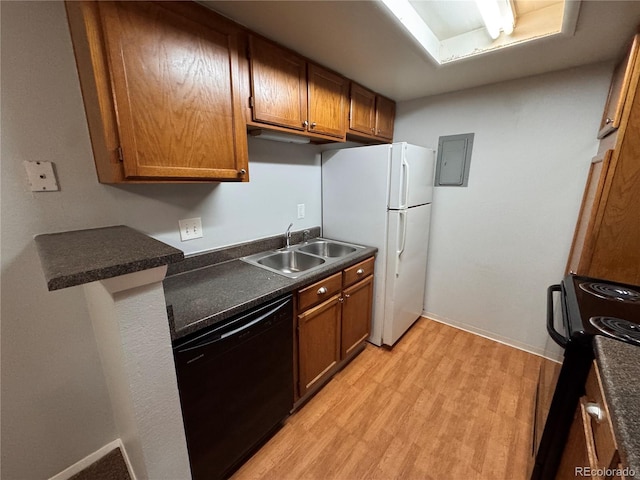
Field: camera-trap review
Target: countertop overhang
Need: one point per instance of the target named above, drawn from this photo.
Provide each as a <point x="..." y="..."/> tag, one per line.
<point x="84" y="256"/>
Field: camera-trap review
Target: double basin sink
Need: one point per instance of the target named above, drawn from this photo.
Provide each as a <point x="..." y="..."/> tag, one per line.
<point x="302" y="258"/>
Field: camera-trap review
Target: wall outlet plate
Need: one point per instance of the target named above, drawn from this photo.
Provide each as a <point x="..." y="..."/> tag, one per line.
<point x="190" y="228"/>
<point x="42" y="177"/>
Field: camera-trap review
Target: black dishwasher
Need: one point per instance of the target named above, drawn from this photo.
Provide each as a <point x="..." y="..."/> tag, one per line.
<point x="236" y="386"/>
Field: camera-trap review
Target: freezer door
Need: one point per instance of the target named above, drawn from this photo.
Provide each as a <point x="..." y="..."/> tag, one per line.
<point x="406" y="271"/>
<point x="412" y="171"/>
<point x="355" y="183"/>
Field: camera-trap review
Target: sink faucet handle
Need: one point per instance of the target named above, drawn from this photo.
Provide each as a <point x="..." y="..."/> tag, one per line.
<point x="305" y="235"/>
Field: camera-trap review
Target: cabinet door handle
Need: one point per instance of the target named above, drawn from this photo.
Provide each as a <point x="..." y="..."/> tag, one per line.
<point x="242" y="172"/>
<point x="347" y="296"/>
<point x="608" y="121"/>
<point x="360" y="271"/>
<point x="305" y="123"/>
<point x="594" y="411"/>
<point x="322" y="290"/>
<point x="313" y="125"/>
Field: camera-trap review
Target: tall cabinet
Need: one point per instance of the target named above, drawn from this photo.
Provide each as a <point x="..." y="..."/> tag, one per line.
<point x="607" y="237"/>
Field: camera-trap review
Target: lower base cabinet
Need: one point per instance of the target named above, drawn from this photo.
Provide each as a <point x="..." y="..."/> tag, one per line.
<point x="591" y="446"/>
<point x="333" y="323"/>
<point x="356" y="315"/>
<point x="318" y="342"/>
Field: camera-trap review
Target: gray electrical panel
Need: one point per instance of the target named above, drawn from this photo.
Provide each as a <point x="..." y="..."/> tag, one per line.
<point x="454" y="158"/>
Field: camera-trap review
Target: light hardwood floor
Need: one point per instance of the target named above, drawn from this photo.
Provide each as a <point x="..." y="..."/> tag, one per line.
<point x="442" y="404"/>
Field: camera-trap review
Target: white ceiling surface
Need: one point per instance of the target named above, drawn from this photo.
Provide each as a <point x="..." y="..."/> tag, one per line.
<point x="360" y="40"/>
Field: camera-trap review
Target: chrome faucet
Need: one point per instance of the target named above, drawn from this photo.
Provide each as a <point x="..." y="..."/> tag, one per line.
<point x="287" y="234"/>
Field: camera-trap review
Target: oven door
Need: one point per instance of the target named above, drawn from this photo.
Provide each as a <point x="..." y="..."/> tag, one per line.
<point x="559" y="388"/>
<point x="549" y="371"/>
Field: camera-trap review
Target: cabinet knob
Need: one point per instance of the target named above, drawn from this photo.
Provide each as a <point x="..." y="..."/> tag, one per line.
<point x="305" y="123"/>
<point x="608" y="121"/>
<point x="347" y="295"/>
<point x="322" y="290"/>
<point x="242" y="172"/>
<point x="313" y="125"/>
<point x="594" y="411"/>
<point x="341" y="299"/>
<point x="360" y="271"/>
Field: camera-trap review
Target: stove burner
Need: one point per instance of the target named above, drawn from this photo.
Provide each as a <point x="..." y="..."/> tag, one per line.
<point x="611" y="292"/>
<point x="618" y="328"/>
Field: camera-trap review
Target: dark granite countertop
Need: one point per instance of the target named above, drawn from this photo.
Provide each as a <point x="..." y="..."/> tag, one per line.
<point x="199" y="298"/>
<point x="619" y="365"/>
<point x="84" y="256"/>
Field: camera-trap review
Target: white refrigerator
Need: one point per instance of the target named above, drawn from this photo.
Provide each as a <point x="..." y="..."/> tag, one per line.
<point x="381" y="196"/>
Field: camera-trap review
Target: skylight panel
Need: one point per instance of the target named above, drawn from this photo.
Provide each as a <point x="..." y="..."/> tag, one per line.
<point x="452" y="30"/>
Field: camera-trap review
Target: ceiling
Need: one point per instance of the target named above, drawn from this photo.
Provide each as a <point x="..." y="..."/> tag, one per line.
<point x="360" y="40"/>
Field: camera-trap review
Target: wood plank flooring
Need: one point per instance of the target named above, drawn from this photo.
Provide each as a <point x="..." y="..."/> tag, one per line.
<point x="442" y="404"/>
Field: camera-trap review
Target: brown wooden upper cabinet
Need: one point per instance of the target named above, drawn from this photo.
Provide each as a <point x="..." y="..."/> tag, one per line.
<point x="618" y="91"/>
<point x="370" y="115"/>
<point x="289" y="92"/>
<point x="161" y="91"/>
<point x="607" y="234"/>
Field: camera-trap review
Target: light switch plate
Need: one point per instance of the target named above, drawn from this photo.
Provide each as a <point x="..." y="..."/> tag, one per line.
<point x="300" y="210"/>
<point x="190" y="228"/>
<point x="42" y="178"/>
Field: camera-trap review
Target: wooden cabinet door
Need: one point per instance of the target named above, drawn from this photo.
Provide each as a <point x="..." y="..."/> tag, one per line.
<point x="591" y="442"/>
<point x="175" y="88"/>
<point x="362" y="110"/>
<point x="618" y="90"/>
<point x="385" y="116"/>
<point x="327" y="97"/>
<point x="582" y="247"/>
<point x="575" y="452"/>
<point x="278" y="85"/>
<point x="318" y="342"/>
<point x="356" y="315"/>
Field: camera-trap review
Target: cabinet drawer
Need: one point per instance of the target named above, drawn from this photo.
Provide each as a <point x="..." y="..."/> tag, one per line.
<point x="600" y="428"/>
<point x="319" y="291"/>
<point x="358" y="272"/>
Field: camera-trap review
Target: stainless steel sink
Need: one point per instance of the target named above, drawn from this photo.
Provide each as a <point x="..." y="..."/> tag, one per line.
<point x="303" y="258"/>
<point x="325" y="248"/>
<point x="290" y="261"/>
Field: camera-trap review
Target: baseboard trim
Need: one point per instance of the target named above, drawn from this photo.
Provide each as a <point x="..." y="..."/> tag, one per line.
<point x="94" y="457"/>
<point x="489" y="335"/>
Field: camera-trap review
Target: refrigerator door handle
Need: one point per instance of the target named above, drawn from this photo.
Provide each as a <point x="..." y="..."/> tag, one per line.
<point x="405" y="167"/>
<point x="401" y="243"/>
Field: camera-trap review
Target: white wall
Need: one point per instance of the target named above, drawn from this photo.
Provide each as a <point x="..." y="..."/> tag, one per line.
<point x="55" y="407"/>
<point x="497" y="244"/>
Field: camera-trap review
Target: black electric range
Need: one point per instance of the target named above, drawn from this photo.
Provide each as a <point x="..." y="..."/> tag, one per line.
<point x="589" y="307"/>
<point x="600" y="307"/>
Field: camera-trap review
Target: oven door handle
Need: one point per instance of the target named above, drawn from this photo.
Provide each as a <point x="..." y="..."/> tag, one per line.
<point x="555" y="335"/>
